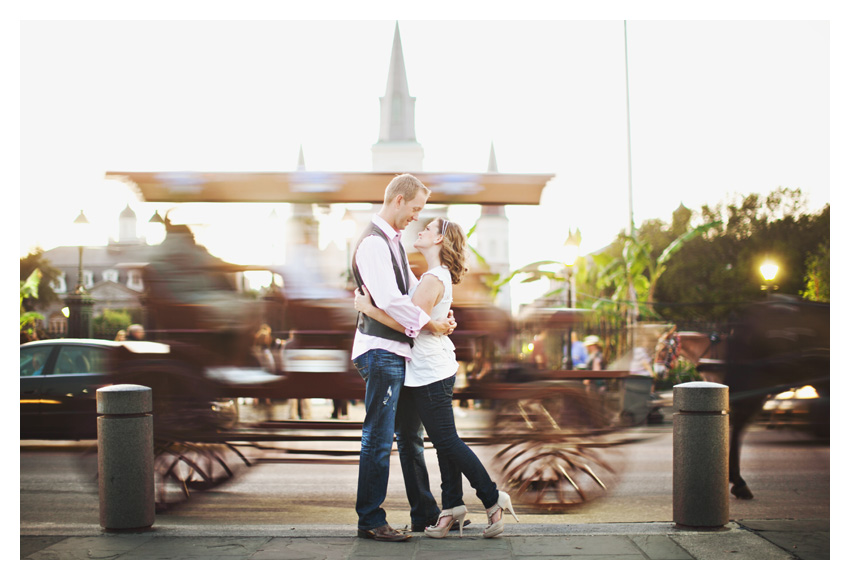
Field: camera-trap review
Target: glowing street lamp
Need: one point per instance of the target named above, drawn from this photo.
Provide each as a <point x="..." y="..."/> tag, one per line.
<point x="769" y="270"/>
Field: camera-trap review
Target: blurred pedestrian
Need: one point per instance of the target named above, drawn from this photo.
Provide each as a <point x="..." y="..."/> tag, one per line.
<point x="300" y="409"/>
<point x="579" y="352"/>
<point x="641" y="363"/>
<point x="121" y="335"/>
<point x="340" y="409"/>
<point x="595" y="360"/>
<point x="135" y="332"/>
<point x="263" y="348"/>
<point x="538" y="351"/>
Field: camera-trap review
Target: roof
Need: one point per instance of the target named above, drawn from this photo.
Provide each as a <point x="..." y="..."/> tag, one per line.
<point x="138" y="346"/>
<point x="112" y="256"/>
<point x="330" y="187"/>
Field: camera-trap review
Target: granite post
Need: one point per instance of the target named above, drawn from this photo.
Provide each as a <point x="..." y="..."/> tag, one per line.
<point x="701" y="455"/>
<point x="125" y="457"/>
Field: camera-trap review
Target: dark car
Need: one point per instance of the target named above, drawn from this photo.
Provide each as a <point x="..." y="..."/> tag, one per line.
<point x="60" y="378"/>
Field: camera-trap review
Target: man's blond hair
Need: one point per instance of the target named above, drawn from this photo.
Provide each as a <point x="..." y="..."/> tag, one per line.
<point x="405" y="185"/>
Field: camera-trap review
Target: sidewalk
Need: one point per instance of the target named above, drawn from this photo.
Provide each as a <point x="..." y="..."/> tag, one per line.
<point x="743" y="540"/>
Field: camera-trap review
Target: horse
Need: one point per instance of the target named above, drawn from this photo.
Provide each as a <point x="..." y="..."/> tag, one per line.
<point x="773" y="345"/>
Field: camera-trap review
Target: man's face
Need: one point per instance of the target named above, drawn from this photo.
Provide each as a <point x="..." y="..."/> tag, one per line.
<point x="408" y="211"/>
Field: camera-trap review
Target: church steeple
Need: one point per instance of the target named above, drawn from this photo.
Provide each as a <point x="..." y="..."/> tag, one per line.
<point x="492" y="238"/>
<point x="397" y="106"/>
<point x="301" y="166"/>
<point x="397" y="149"/>
<point x="491" y="165"/>
<point x="127" y="226"/>
<point x="497" y="210"/>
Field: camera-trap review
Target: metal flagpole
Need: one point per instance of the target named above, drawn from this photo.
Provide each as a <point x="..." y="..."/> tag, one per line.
<point x="628" y="133"/>
<point x="632" y="319"/>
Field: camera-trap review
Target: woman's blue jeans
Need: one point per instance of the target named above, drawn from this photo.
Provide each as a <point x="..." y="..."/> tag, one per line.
<point x="433" y="403"/>
<point x="383" y="372"/>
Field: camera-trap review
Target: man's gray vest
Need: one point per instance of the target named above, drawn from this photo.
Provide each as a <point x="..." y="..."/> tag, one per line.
<point x="368" y="325"/>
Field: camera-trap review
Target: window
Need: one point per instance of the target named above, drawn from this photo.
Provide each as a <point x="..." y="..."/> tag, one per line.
<point x="134" y="281"/>
<point x="58" y="325"/>
<point x="33" y="360"/>
<point x="88" y="278"/>
<point x="59" y="285"/>
<point x="78" y="360"/>
<point x="110" y="275"/>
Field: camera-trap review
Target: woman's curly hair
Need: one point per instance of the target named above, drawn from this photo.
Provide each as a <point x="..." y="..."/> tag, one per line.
<point x="453" y="249"/>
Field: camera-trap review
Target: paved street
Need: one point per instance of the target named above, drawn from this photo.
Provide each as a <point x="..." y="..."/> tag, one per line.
<point x="788" y="472"/>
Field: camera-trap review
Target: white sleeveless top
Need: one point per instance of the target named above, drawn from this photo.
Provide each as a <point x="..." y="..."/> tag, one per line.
<point x="433" y="357"/>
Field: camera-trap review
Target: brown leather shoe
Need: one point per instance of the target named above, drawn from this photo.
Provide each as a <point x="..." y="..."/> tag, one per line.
<point x="384" y="533"/>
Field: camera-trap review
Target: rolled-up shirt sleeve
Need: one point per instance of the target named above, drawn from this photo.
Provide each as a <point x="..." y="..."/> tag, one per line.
<point x="376" y="269"/>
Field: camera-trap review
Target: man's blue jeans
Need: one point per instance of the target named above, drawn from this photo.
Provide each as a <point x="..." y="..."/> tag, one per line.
<point x="383" y="372"/>
<point x="433" y="403"/>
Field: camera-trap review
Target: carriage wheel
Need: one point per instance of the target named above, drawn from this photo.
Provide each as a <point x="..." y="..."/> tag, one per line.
<point x="181" y="467"/>
<point x="557" y="452"/>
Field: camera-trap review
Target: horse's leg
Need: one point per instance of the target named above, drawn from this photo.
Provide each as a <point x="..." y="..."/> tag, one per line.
<point x="739" y="486"/>
<point x="739" y="417"/>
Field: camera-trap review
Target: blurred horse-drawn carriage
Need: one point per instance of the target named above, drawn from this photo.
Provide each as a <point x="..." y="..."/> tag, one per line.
<point x="550" y="430"/>
<point x="555" y="436"/>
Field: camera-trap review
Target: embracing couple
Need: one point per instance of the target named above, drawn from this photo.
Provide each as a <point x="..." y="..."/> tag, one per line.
<point x="402" y="351"/>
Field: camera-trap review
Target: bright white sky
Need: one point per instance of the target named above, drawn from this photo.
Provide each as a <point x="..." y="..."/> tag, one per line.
<point x="717" y="107"/>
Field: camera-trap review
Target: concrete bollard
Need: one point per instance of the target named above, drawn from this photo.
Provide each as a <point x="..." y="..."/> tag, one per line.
<point x="701" y="455"/>
<point x="125" y="457"/>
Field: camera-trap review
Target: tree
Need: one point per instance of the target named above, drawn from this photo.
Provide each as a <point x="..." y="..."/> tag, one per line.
<point x="817" y="274"/>
<point x="49" y="274"/>
<point x="715" y="275"/>
<point x="637" y="267"/>
<point x="109" y="322"/>
<point x="29" y="289"/>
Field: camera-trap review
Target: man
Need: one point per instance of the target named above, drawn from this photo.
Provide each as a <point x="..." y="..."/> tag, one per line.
<point x="135" y="332"/>
<point x="379" y="354"/>
<point x="579" y="353"/>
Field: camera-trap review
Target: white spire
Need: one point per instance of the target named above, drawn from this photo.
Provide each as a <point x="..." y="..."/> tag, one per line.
<point x="301" y="165"/>
<point x="491" y="166"/>
<point x="397" y="106"/>
<point x="127" y="226"/>
<point x="397" y="149"/>
<point x="497" y="210"/>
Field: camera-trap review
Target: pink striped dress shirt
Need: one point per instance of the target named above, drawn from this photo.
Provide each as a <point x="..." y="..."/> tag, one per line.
<point x="376" y="269"/>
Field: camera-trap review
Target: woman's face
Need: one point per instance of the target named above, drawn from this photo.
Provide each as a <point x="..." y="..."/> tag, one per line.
<point x="428" y="236"/>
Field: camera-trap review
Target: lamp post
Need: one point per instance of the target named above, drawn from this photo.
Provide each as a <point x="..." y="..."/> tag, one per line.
<point x="349" y="226"/>
<point x="81" y="226"/>
<point x="769" y="270"/>
<point x="571" y="248"/>
<point x="79" y="302"/>
<point x="156" y="229"/>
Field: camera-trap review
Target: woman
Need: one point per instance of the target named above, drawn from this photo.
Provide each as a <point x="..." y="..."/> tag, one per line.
<point x="430" y="377"/>
<point x="595" y="362"/>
